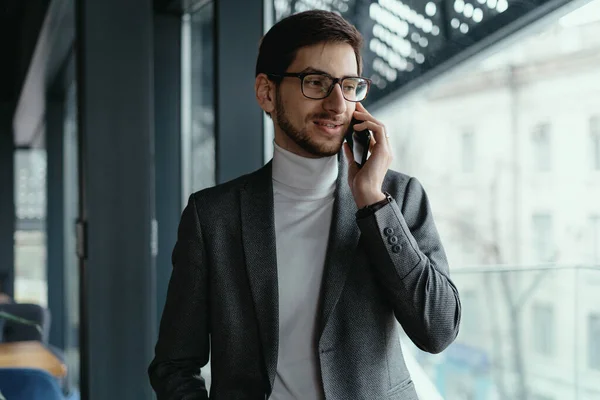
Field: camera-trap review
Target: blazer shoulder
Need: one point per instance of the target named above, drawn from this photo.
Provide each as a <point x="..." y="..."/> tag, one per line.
<point x="403" y="187"/>
<point x="225" y="193"/>
<point x="396" y="183"/>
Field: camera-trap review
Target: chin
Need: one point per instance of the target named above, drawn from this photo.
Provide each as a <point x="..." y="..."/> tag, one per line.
<point x="327" y="148"/>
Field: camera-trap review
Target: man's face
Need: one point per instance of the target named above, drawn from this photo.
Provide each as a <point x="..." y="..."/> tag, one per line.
<point x="300" y="122"/>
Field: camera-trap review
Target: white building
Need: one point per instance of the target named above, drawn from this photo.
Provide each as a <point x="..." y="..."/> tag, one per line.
<point x="508" y="149"/>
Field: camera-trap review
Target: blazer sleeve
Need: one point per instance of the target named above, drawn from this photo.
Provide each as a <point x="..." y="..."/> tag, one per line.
<point x="183" y="341"/>
<point x="410" y="264"/>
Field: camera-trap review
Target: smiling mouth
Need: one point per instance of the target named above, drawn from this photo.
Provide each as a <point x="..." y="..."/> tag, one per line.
<point x="327" y="125"/>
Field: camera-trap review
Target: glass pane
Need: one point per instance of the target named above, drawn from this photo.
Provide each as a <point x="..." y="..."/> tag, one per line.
<point x="521" y="229"/>
<point x="71" y="198"/>
<point x="199" y="87"/>
<point x="30" y="235"/>
<point x="516" y="338"/>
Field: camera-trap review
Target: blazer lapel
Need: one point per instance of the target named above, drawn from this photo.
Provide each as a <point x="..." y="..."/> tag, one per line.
<point x="342" y="243"/>
<point x="258" y="236"/>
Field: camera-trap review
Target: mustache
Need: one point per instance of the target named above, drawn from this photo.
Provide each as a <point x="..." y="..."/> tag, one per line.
<point x="330" y="118"/>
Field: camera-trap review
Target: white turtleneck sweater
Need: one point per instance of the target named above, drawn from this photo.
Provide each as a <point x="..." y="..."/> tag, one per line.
<point x="303" y="191"/>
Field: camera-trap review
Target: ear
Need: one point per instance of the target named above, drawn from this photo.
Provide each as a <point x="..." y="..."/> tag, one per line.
<point x="265" y="93"/>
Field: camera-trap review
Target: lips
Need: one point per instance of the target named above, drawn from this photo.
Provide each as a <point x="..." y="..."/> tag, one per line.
<point x="328" y="124"/>
<point x="329" y="128"/>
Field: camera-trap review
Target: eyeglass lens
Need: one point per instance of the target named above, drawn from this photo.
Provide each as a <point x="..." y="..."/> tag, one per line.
<point x="318" y="87"/>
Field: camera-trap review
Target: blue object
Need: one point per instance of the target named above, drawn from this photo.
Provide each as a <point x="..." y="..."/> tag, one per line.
<point x="28" y="384"/>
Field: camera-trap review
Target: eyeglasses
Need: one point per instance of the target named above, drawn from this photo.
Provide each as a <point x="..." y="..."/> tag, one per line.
<point x="318" y="86"/>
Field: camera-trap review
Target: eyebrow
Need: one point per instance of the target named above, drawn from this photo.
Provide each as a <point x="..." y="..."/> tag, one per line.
<point x="320" y="71"/>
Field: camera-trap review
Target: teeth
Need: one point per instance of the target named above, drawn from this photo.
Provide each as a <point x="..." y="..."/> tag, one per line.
<point x="327" y="125"/>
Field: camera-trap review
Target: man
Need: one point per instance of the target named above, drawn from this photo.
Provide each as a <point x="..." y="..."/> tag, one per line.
<point x="295" y="276"/>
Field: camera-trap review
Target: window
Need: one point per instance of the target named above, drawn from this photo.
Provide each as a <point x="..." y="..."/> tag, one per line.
<point x="594" y="341"/>
<point x="543" y="246"/>
<point x="198" y="112"/>
<point x="513" y="99"/>
<point x="468" y="152"/>
<point x="30" y="235"/>
<point x="541" y="147"/>
<point x="543" y="329"/>
<point x="595" y="239"/>
<point x="595" y="139"/>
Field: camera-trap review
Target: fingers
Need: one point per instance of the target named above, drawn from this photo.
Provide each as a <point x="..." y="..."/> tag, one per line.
<point x="378" y="131"/>
<point x="379" y="135"/>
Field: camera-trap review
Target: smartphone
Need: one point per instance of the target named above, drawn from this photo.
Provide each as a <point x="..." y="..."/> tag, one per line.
<point x="359" y="142"/>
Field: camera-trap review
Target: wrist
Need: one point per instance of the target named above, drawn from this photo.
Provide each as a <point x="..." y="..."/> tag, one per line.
<point x="369" y="199"/>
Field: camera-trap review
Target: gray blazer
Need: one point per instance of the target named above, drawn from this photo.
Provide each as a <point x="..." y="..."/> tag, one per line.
<point x="382" y="269"/>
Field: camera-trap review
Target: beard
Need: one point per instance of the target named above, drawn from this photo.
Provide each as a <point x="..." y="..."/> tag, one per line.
<point x="303" y="139"/>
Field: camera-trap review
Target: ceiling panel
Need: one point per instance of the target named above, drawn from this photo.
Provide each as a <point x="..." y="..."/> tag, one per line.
<point x="404" y="39"/>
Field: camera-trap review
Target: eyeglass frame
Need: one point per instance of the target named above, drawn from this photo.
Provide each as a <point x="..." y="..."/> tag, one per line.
<point x="302" y="75"/>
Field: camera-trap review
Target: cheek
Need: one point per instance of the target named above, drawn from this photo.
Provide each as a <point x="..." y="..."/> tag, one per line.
<point x="300" y="111"/>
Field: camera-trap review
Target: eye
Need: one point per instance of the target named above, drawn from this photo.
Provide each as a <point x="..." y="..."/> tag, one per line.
<point x="314" y="82"/>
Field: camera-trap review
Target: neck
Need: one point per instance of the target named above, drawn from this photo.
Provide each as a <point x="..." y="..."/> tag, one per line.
<point x="298" y="172"/>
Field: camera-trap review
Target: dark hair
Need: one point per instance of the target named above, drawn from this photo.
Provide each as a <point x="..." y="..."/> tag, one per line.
<point x="280" y="44"/>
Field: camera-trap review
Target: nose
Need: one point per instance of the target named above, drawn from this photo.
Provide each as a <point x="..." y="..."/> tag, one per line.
<point x="335" y="102"/>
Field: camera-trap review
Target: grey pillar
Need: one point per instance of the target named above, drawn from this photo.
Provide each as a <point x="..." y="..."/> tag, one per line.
<point x="7" y="200"/>
<point x="55" y="224"/>
<point x="116" y="120"/>
<point x="167" y="83"/>
<point x="239" y="120"/>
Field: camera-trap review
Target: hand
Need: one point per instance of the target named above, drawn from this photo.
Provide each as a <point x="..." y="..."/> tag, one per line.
<point x="366" y="182"/>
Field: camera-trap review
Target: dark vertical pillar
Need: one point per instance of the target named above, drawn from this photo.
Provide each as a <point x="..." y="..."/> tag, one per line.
<point x="7" y="201"/>
<point x="114" y="51"/>
<point x="55" y="223"/>
<point x="167" y="100"/>
<point x="239" y="119"/>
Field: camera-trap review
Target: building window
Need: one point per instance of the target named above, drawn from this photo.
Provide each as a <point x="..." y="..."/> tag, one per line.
<point x="595" y="138"/>
<point x="542" y="147"/>
<point x="543" y="246"/>
<point x="543" y="329"/>
<point x="594" y="341"/>
<point x="468" y="151"/>
<point x="595" y="239"/>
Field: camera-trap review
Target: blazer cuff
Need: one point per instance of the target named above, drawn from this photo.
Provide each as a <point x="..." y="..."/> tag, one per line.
<point x="386" y="231"/>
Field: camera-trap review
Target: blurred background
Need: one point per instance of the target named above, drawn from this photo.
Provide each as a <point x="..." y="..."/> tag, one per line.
<point x="112" y="113"/>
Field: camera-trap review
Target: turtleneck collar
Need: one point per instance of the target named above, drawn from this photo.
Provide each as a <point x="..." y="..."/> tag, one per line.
<point x="304" y="177"/>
